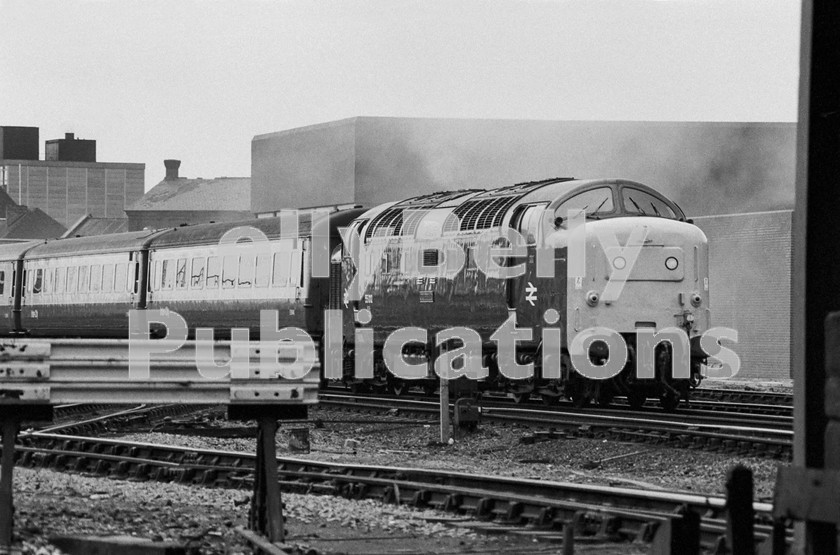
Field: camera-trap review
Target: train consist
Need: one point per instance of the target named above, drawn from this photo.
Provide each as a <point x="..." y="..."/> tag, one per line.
<point x="559" y="257"/>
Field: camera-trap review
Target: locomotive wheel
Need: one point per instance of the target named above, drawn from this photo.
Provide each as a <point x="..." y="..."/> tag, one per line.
<point x="358" y="387"/>
<point x="399" y="387"/>
<point x="521" y="398"/>
<point x="581" y="401"/>
<point x="604" y="399"/>
<point x="636" y="398"/>
<point x="582" y="392"/>
<point x="669" y="401"/>
<point x="550" y="400"/>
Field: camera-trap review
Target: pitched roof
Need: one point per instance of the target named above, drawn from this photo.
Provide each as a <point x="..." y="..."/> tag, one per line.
<point x="88" y="225"/>
<point x="34" y="224"/>
<point x="5" y="201"/>
<point x="218" y="194"/>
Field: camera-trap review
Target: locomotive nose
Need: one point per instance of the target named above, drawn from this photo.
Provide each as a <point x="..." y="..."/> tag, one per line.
<point x="652" y="271"/>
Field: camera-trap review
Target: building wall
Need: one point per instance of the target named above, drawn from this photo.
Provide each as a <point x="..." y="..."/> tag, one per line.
<point x="300" y="168"/>
<point x="69" y="190"/>
<point x="158" y="219"/>
<point x="750" y="272"/>
<point x="707" y="167"/>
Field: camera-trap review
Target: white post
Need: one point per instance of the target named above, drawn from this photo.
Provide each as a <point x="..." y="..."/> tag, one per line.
<point x="445" y="426"/>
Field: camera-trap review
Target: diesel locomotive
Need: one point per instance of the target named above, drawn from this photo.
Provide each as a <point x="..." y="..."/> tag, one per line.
<point x="560" y="258"/>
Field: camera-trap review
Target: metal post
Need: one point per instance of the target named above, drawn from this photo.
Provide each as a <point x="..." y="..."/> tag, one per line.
<point x="739" y="508"/>
<point x="266" y="505"/>
<point x="445" y="425"/>
<point x="816" y="260"/>
<point x="7" y="464"/>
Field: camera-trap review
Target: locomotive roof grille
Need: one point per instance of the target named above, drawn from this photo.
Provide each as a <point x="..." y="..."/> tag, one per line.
<point x="484" y="210"/>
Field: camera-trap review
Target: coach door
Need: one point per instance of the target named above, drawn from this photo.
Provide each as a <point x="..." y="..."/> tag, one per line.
<point x="7" y="297"/>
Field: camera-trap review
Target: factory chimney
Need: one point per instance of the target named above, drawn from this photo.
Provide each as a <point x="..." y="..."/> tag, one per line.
<point x="172" y="168"/>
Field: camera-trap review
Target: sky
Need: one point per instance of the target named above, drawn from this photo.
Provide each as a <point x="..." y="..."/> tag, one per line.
<point x="196" y="80"/>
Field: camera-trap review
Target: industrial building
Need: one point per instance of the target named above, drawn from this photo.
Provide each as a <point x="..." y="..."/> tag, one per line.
<point x="69" y="184"/>
<point x="707" y="167"/>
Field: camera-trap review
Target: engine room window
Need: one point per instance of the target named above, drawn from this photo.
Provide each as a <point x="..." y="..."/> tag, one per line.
<point x="262" y="275"/>
<point x="431" y="258"/>
<point x="181" y="274"/>
<point x="645" y="204"/>
<point x="95" y="277"/>
<point x="197" y="273"/>
<point x="107" y="278"/>
<point x="229" y="271"/>
<point x="593" y="202"/>
<point x="213" y="270"/>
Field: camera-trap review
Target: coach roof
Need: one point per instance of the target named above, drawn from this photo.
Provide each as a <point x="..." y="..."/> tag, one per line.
<point x="295" y="225"/>
<point x="95" y="244"/>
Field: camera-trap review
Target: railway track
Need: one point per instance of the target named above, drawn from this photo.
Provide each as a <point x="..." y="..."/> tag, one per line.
<point x="743" y="396"/>
<point x="702" y="401"/>
<point x="766" y="436"/>
<point x="492" y="503"/>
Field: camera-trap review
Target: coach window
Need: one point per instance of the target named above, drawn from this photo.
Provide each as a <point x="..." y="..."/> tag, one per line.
<point x="2" y="281"/>
<point x="246" y="270"/>
<point x="134" y="277"/>
<point x="38" y="284"/>
<point x="58" y="280"/>
<point x="296" y="272"/>
<point x="281" y="269"/>
<point x="107" y="278"/>
<point x="82" y="279"/>
<point x="119" y="278"/>
<point x="48" y="277"/>
<point x="263" y="273"/>
<point x="181" y="274"/>
<point x="95" y="277"/>
<point x="231" y="262"/>
<point x="71" y="279"/>
<point x="213" y="271"/>
<point x="167" y="275"/>
<point x="197" y="273"/>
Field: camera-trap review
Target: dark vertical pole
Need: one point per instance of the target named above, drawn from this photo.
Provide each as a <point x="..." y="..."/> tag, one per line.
<point x="273" y="506"/>
<point x="816" y="248"/>
<point x="739" y="508"/>
<point x="7" y="464"/>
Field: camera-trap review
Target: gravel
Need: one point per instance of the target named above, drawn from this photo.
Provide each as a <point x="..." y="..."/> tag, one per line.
<point x="498" y="450"/>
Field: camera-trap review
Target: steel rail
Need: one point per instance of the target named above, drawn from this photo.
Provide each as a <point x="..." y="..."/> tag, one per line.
<point x="542" y="504"/>
<point x="751" y="440"/>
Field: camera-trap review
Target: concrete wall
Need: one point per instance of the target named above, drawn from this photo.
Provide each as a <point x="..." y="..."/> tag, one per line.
<point x="749" y="282"/>
<point x="69" y="190"/>
<point x="708" y="168"/>
<point x="311" y="166"/>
